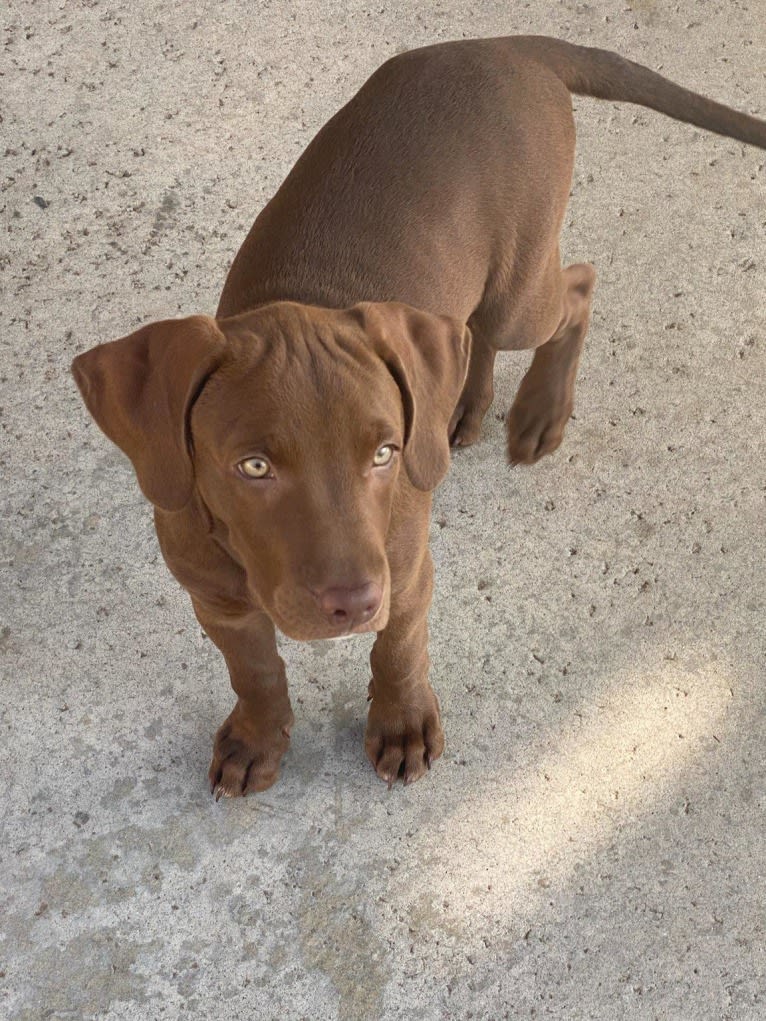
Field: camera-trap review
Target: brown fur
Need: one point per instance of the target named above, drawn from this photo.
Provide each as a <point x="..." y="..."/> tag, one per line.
<point x="435" y="198"/>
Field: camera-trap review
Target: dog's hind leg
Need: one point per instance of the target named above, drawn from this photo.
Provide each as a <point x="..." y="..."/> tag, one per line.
<point x="545" y="398"/>
<point x="478" y="391"/>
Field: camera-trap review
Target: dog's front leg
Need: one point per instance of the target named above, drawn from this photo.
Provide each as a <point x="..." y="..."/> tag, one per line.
<point x="404" y="733"/>
<point x="250" y="744"/>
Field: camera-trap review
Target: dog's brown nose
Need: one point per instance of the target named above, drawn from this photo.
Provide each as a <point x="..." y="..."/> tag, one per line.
<point x="345" y="606"/>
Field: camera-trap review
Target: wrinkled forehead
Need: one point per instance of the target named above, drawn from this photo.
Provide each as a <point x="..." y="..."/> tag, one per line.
<point x="295" y="389"/>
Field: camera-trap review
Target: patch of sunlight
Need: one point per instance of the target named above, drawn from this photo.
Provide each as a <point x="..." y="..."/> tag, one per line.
<point x="603" y="774"/>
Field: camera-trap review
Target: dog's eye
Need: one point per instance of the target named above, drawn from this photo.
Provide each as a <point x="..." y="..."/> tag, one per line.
<point x="254" y="467"/>
<point x="383" y="455"/>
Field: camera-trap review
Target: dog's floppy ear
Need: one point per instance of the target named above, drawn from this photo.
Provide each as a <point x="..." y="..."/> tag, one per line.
<point x="428" y="357"/>
<point x="140" y="390"/>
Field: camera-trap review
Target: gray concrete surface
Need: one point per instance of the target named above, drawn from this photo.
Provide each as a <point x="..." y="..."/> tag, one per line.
<point x="592" y="843"/>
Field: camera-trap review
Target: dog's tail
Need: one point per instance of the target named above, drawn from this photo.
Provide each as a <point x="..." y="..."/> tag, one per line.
<point x="606" y="75"/>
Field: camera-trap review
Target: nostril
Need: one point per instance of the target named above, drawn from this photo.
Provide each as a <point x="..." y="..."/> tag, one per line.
<point x="339" y="616"/>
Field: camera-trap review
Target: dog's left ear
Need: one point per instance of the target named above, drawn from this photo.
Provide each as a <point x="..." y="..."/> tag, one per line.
<point x="428" y="357"/>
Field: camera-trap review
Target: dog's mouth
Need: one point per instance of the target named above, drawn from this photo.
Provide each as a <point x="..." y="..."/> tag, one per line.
<point x="344" y="632"/>
<point x="347" y="635"/>
<point x="302" y="633"/>
<point x="301" y="621"/>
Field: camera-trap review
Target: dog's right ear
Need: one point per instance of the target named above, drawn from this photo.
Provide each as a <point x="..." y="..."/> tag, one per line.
<point x="140" y="390"/>
<point x="428" y="357"/>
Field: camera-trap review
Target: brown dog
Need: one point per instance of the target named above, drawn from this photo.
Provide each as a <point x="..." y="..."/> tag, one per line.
<point x="291" y="444"/>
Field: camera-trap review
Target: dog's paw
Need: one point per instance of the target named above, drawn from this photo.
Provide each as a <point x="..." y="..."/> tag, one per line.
<point x="465" y="426"/>
<point x="535" y="427"/>
<point x="402" y="740"/>
<point x="247" y="752"/>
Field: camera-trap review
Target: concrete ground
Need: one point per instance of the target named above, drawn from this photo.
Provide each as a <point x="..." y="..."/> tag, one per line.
<point x="592" y="843"/>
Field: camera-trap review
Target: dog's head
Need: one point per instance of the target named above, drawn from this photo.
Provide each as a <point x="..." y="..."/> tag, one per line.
<point x="296" y="426"/>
